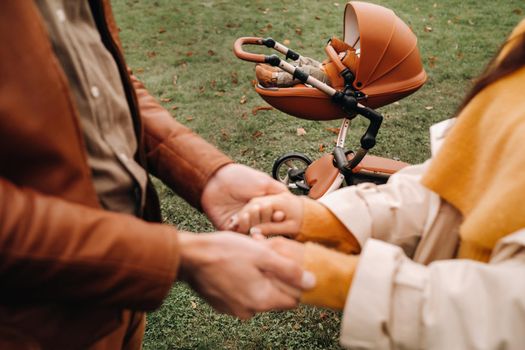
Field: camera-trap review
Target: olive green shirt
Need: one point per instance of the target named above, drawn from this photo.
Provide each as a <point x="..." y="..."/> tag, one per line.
<point x="98" y="93"/>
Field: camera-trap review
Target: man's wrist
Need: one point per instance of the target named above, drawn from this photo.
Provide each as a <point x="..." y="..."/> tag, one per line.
<point x="194" y="253"/>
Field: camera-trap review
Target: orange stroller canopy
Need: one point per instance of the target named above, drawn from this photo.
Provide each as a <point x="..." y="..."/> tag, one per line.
<point x="388" y="66"/>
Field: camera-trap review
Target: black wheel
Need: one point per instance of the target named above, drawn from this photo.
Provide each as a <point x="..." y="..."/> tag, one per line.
<point x="289" y="169"/>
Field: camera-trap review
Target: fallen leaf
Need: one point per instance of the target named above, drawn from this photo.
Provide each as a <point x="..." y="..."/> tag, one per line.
<point x="298" y="31"/>
<point x="321" y="148"/>
<point x="139" y="70"/>
<point x="286" y="42"/>
<point x="257" y="134"/>
<point x="261" y="108"/>
<point x="225" y="135"/>
<point x="429" y="108"/>
<point x="174" y="107"/>
<point x="189" y="118"/>
<point x="219" y="93"/>
<point x="336" y="4"/>
<point x="202" y="89"/>
<point x="244" y="116"/>
<point x="517" y="11"/>
<point x="234" y="78"/>
<point x="211" y="53"/>
<point x="333" y="130"/>
<point x="300" y="132"/>
<point x="323" y="315"/>
<point x="243" y="100"/>
<point x="151" y="54"/>
<point x="169" y="99"/>
<point x="162" y="30"/>
<point x="189" y="53"/>
<point x="317" y="18"/>
<point x="213" y="84"/>
<point x="428" y="29"/>
<point x="471" y="22"/>
<point x="174" y="80"/>
<point x="432" y="61"/>
<point x="193" y="304"/>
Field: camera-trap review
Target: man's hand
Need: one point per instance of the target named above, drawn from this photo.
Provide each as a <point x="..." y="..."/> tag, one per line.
<point x="240" y="276"/>
<point x="231" y="188"/>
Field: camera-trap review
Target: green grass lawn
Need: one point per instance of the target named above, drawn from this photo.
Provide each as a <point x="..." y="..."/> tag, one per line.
<point x="182" y="50"/>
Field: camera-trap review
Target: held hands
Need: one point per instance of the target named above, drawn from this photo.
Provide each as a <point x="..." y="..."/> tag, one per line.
<point x="231" y="188"/>
<point x="240" y="276"/>
<point x="275" y="214"/>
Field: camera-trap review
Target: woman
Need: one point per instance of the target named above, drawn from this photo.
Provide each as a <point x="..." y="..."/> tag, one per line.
<point x="442" y="245"/>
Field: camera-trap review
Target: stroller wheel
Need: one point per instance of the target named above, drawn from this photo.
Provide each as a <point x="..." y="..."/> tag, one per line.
<point x="289" y="169"/>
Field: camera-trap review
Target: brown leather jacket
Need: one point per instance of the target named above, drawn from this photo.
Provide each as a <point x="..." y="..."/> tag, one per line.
<point x="68" y="269"/>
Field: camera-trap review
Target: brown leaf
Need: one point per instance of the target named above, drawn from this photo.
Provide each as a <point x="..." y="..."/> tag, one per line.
<point x="429" y="108"/>
<point x="321" y="148"/>
<point x="225" y="135"/>
<point x="286" y="42"/>
<point x="174" y="107"/>
<point x="189" y="118"/>
<point x="257" y="134"/>
<point x="261" y="108"/>
<point x="317" y="18"/>
<point x="162" y="30"/>
<point x="193" y="304"/>
<point x="151" y="54"/>
<point x="333" y="130"/>
<point x="244" y="116"/>
<point x="139" y="70"/>
<point x="234" y="78"/>
<point x="211" y="53"/>
<point x="243" y="100"/>
<point x="517" y="11"/>
<point x="174" y="81"/>
<point x="189" y="53"/>
<point x="432" y="61"/>
<point x="298" y="31"/>
<point x="213" y="83"/>
<point x="169" y="99"/>
<point x="202" y="89"/>
<point x="428" y="29"/>
<point x="300" y="132"/>
<point x="323" y="315"/>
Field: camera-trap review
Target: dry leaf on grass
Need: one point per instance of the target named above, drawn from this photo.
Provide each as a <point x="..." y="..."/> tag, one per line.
<point x="261" y="108"/>
<point x="174" y="107"/>
<point x="234" y="78"/>
<point x="321" y="148"/>
<point x="162" y="30"/>
<point x="174" y="80"/>
<point x="189" y="118"/>
<point x="243" y="100"/>
<point x="333" y="130"/>
<point x="169" y="99"/>
<point x="151" y="54"/>
<point x="300" y="132"/>
<point x="429" y="108"/>
<point x="211" y="53"/>
<point x="257" y="134"/>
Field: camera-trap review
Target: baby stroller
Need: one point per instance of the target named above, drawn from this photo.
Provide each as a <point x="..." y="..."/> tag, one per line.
<point x="386" y="68"/>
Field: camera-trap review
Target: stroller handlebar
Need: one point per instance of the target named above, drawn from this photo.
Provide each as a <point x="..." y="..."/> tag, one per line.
<point x="248" y="56"/>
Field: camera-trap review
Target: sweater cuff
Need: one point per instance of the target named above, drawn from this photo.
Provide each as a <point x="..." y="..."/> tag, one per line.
<point x="321" y="226"/>
<point x="333" y="271"/>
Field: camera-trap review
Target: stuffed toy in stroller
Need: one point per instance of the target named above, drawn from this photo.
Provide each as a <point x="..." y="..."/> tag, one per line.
<point x="375" y="64"/>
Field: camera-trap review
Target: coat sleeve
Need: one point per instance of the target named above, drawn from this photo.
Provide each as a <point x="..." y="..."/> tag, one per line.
<point x="449" y="304"/>
<point x="56" y="251"/>
<point x="181" y="159"/>
<point x="400" y="212"/>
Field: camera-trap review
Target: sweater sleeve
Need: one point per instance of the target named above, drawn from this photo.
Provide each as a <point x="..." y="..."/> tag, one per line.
<point x="395" y="302"/>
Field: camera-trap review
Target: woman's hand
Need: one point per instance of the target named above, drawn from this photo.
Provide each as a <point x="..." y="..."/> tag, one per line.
<point x="270" y="215"/>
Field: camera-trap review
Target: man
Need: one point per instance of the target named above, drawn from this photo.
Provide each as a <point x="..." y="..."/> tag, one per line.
<point x="79" y="262"/>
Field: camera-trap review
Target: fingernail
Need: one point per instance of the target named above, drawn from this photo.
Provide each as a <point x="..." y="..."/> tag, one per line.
<point x="308" y="281"/>
<point x="255" y="231"/>
<point x="233" y="222"/>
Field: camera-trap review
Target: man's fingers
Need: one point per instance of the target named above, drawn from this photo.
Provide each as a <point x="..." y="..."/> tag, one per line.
<point x="278" y="216"/>
<point x="287" y="271"/>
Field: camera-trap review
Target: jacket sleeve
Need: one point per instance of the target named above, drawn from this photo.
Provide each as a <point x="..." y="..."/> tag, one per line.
<point x="54" y="250"/>
<point x="181" y="159"/>
<point x="450" y="304"/>
<point x="400" y="212"/>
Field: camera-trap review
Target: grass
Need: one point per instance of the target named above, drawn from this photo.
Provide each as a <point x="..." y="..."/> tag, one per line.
<point x="182" y="52"/>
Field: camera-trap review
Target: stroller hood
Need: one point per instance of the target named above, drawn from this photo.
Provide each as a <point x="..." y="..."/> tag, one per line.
<point x="389" y="66"/>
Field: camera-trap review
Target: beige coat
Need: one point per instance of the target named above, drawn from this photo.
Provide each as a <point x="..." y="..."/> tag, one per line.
<point x="409" y="291"/>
